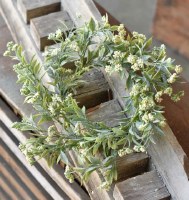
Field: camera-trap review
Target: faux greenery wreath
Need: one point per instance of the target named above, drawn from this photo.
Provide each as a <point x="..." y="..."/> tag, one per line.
<point x="94" y="45"/>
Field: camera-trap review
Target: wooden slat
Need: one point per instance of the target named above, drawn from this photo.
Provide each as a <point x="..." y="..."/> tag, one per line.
<point x="42" y="26"/>
<point x="84" y="8"/>
<point x="21" y="174"/>
<point x="14" y="182"/>
<point x="94" y="91"/>
<point x="74" y="191"/>
<point x="7" y="189"/>
<point x="36" y="8"/>
<point x="23" y="36"/>
<point x="94" y="181"/>
<point x="3" y="194"/>
<point x="24" y="33"/>
<point x="168" y="157"/>
<point x="144" y="187"/>
<point x="109" y="112"/>
<point x="131" y="165"/>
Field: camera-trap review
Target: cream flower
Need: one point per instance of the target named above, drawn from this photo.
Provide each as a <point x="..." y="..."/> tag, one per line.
<point x="131" y="59"/>
<point x="58" y="34"/>
<point x="172" y="78"/>
<point x="178" y="69"/>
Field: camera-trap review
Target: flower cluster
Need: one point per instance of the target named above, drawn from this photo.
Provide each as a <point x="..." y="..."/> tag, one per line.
<point x="121" y="34"/>
<point x="146" y="103"/>
<point x="140" y="37"/>
<point x="124" y="151"/>
<point x="69" y="174"/>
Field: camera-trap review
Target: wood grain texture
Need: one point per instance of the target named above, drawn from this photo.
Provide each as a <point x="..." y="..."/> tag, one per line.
<point x="131" y="165"/>
<point x="148" y="186"/>
<point x="7" y="189"/>
<point x="84" y="8"/>
<point x="21" y="173"/>
<point x="94" y="91"/>
<point x="109" y="113"/>
<point x="42" y="26"/>
<point x="12" y="181"/>
<point x="167" y="156"/>
<point x="177" y="116"/>
<point x="36" y="8"/>
<point x="160" y="158"/>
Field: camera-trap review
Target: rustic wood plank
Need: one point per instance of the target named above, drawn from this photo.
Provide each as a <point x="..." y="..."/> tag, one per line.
<point x="94" y="91"/>
<point x="144" y="187"/>
<point x="127" y="166"/>
<point x="21" y="173"/>
<point x="94" y="181"/>
<point x="36" y="8"/>
<point x="118" y="88"/>
<point x="100" y="90"/>
<point x="7" y="189"/>
<point x="22" y="193"/>
<point x="14" y="22"/>
<point x="110" y="113"/>
<point x="131" y="165"/>
<point x="42" y="26"/>
<point x="74" y="191"/>
<point x="84" y="8"/>
<point x="3" y="194"/>
<point x="168" y="157"/>
<point x="177" y="116"/>
<point x="11" y="186"/>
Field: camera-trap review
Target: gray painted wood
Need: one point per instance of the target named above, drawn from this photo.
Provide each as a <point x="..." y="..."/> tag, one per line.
<point x="42" y="26"/>
<point x="148" y="186"/>
<point x="94" y="91"/>
<point x="81" y="11"/>
<point x="36" y="8"/>
<point x="110" y="113"/>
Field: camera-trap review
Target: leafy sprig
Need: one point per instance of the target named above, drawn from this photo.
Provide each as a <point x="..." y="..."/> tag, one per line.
<point x="150" y="75"/>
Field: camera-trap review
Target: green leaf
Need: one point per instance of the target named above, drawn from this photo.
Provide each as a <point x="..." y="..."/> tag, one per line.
<point x="114" y="28"/>
<point x="44" y="118"/>
<point x="148" y="43"/>
<point x="92" y="24"/>
<point x="64" y="158"/>
<point x="95" y="148"/>
<point x="129" y="82"/>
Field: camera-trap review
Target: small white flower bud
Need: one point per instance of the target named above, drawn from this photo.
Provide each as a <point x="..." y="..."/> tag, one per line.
<point x="178" y="69"/>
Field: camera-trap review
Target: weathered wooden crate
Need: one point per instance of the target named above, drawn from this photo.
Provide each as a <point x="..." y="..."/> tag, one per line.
<point x="167" y="156"/>
<point x="37" y="8"/>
